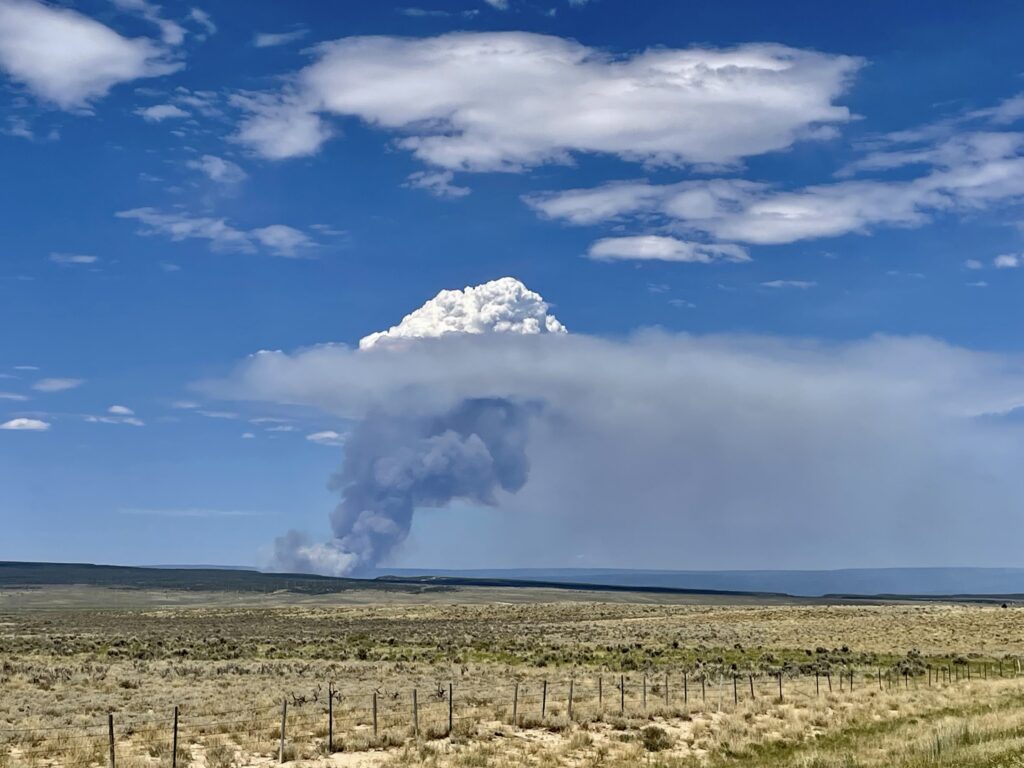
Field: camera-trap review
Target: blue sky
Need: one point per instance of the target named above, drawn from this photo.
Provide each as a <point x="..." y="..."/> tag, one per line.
<point x="189" y="185"/>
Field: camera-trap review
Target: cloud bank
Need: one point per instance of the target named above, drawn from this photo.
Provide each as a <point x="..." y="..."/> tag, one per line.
<point x="505" y="101"/>
<point x="666" y="450"/>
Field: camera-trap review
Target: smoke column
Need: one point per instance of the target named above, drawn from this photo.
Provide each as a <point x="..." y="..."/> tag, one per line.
<point x="394" y="464"/>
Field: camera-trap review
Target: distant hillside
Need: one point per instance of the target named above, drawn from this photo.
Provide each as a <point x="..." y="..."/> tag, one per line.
<point x="15" y="574"/>
<point x="850" y="581"/>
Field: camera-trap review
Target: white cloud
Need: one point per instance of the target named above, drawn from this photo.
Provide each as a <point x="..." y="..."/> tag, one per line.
<point x="128" y="420"/>
<point x="120" y="410"/>
<point x="758" y="213"/>
<point x="801" y="284"/>
<point x="56" y="385"/>
<point x="279" y="239"/>
<point x="500" y="306"/>
<point x="272" y="39"/>
<point x="185" y="404"/>
<point x="171" y="32"/>
<point x="437" y="183"/>
<point x="327" y="437"/>
<point x="283" y="240"/>
<point x="218" y="414"/>
<point x="662" y="248"/>
<point x="160" y="112"/>
<point x="12" y="396"/>
<point x="73" y="258"/>
<point x="503" y="101"/>
<point x="69" y="59"/>
<point x="973" y="264"/>
<point x="28" y="425"/>
<point x="248" y="436"/>
<point x="203" y="19"/>
<point x="1006" y="261"/>
<point x="501" y="5"/>
<point x="218" y="169"/>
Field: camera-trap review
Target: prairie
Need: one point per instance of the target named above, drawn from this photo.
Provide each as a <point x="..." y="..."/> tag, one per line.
<point x="504" y="677"/>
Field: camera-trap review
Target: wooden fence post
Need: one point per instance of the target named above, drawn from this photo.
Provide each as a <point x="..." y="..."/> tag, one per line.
<point x="686" y="688"/>
<point x="415" y="716"/>
<point x="374" y="714"/>
<point x="851" y="681"/>
<point x="544" y="701"/>
<point x="703" y="690"/>
<point x="879" y="678"/>
<point x="174" y="741"/>
<point x="515" y="705"/>
<point x="750" y="679"/>
<point x="451" y="707"/>
<point x="622" y="694"/>
<point x="284" y="719"/>
<point x="828" y="679"/>
<point x="735" y="695"/>
<point x="817" y="684"/>
<point x="330" y="718"/>
<point x="644" y="695"/>
<point x="667" y="702"/>
<point x="600" y="693"/>
<point x="572" y="684"/>
<point x="780" y="686"/>
<point x="110" y="738"/>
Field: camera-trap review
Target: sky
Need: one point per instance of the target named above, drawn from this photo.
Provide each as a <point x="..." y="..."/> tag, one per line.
<point x="766" y="264"/>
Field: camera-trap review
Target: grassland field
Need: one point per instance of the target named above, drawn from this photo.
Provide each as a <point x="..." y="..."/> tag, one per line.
<point x="658" y="680"/>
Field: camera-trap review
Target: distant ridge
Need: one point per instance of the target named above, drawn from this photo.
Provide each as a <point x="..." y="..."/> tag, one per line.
<point x="867" y="582"/>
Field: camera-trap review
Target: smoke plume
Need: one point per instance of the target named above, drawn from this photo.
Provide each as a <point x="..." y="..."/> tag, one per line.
<point x="395" y="464"/>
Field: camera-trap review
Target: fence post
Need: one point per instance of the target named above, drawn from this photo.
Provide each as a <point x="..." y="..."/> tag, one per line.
<point x="374" y="714"/>
<point x="667" y="701"/>
<point x="828" y="678"/>
<point x="644" y="695"/>
<point x="879" y="678"/>
<point x="572" y="683"/>
<point x="703" y="690"/>
<point x="415" y="716"/>
<point x="174" y="741"/>
<point x="622" y="694"/>
<point x="284" y="718"/>
<point x="515" y="705"/>
<point x="600" y="693"/>
<point x="817" y="684"/>
<point x="330" y="718"/>
<point x="544" y="701"/>
<point x="451" y="707"/>
<point x="851" y="681"/>
<point x="735" y="695"/>
<point x="780" y="685"/>
<point x="750" y="679"/>
<point x="110" y="738"/>
<point x="686" y="688"/>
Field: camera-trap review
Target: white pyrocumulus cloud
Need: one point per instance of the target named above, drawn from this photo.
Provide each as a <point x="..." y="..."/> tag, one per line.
<point x="500" y="306"/>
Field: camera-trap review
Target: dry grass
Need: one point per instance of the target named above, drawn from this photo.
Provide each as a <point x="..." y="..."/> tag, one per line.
<point x="62" y="668"/>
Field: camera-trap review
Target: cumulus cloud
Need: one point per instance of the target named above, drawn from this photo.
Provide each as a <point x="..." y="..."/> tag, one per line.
<point x="160" y="112"/>
<point x="171" y="32"/>
<point x="27" y="425"/>
<point x="326" y="437"/>
<point x="57" y="385"/>
<point x="278" y="239"/>
<point x="1006" y="261"/>
<point x="663" y="248"/>
<point x="754" y="451"/>
<point x="69" y="59"/>
<point x="504" y="101"/>
<point x="499" y="306"/>
<point x="273" y="39"/>
<point x="961" y="175"/>
<point x="439" y="183"/>
<point x="218" y="169"/>
<point x="120" y="410"/>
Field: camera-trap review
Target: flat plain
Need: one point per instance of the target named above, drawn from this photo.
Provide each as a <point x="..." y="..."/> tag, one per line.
<point x="504" y="677"/>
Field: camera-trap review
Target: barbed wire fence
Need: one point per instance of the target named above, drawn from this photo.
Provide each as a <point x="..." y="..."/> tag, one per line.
<point x="316" y="725"/>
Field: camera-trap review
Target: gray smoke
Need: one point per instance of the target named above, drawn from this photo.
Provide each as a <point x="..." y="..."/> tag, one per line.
<point x="394" y="464"/>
